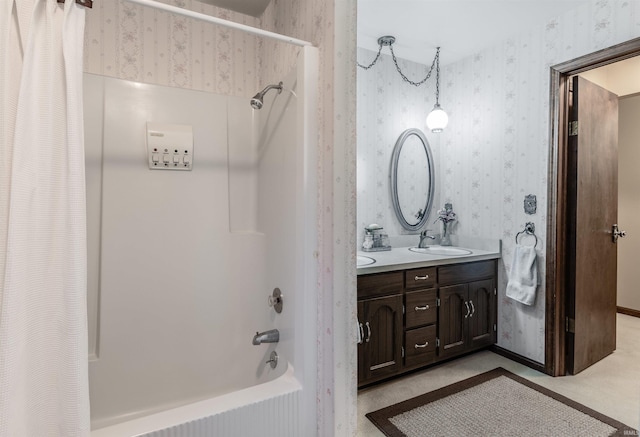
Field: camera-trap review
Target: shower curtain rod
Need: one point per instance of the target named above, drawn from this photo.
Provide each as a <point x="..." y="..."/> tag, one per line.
<point x="220" y="21"/>
<point x="85" y="3"/>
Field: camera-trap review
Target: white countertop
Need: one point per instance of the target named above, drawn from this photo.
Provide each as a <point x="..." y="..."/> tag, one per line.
<point x="400" y="258"/>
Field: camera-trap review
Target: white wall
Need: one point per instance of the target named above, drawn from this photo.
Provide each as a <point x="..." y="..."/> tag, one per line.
<point x="387" y="106"/>
<point x="181" y="296"/>
<point x="628" y="201"/>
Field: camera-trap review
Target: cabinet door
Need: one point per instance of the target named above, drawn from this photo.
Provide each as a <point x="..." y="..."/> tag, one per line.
<point x="382" y="352"/>
<point x="452" y="326"/>
<point x="482" y="317"/>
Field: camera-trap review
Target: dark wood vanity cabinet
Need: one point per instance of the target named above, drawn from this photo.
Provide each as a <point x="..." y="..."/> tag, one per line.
<point x="380" y="324"/>
<point x="467" y="317"/>
<point x="416" y="317"/>
<point x="467" y="307"/>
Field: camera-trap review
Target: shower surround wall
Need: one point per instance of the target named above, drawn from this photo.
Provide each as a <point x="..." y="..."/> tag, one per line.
<point x="183" y="284"/>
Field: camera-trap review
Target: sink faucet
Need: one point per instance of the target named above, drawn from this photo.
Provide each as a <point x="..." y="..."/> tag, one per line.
<point x="424" y="236"/>
<point x="270" y="336"/>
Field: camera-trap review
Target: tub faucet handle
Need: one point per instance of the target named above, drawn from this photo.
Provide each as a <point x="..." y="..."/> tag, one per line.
<point x="275" y="300"/>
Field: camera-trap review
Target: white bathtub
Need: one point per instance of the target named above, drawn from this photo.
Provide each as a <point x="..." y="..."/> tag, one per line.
<point x="268" y="409"/>
<point x="177" y="315"/>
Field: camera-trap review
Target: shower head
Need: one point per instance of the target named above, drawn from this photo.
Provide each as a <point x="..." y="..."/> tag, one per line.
<point x="258" y="100"/>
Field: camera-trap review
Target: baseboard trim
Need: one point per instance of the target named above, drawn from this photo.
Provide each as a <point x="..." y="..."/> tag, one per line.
<point x="629" y="311"/>
<point x="518" y="358"/>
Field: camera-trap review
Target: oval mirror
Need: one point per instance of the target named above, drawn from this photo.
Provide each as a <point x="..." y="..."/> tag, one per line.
<point x="412" y="179"/>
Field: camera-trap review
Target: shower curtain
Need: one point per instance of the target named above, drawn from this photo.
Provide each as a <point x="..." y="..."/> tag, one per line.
<point x="43" y="328"/>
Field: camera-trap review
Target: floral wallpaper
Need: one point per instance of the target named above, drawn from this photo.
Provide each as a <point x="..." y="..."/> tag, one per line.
<point x="387" y="106"/>
<point x="133" y="42"/>
<point x="495" y="149"/>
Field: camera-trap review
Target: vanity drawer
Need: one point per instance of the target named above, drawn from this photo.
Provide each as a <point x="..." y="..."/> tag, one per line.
<point x="421" y="308"/>
<point x="420" y="346"/>
<point x="420" y="278"/>
<point x="460" y="273"/>
<point x="379" y="284"/>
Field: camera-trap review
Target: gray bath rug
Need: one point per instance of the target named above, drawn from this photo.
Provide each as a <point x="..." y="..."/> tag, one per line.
<point x="496" y="403"/>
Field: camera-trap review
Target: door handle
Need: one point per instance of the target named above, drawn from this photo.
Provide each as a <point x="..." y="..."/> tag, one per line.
<point x="368" y="332"/>
<point x="473" y="309"/>
<point x="468" y="310"/>
<point x="361" y="340"/>
<point x="616" y="233"/>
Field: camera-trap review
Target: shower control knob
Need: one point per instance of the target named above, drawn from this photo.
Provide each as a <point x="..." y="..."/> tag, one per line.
<point x="275" y="300"/>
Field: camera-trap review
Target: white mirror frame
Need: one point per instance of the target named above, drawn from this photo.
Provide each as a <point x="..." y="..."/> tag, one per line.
<point x="393" y="174"/>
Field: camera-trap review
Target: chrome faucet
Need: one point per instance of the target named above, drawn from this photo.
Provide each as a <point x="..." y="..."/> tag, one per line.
<point x="424" y="236"/>
<point x="270" y="336"/>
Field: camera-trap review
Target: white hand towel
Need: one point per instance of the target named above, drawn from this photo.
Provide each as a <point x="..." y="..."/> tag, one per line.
<point x="523" y="278"/>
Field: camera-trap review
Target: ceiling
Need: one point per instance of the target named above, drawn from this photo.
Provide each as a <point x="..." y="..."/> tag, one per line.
<point x="621" y="78"/>
<point x="460" y="27"/>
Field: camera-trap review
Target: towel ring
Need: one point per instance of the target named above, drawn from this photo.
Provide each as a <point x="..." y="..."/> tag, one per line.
<point x="529" y="229"/>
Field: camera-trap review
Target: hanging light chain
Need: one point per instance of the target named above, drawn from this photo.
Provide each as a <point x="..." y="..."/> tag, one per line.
<point x="406" y="79"/>
<point x="437" y="76"/>
<point x="435" y="63"/>
<point x="374" y="61"/>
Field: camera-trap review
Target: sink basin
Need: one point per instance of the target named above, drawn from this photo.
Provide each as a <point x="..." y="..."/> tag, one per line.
<point x="365" y="260"/>
<point x="441" y="250"/>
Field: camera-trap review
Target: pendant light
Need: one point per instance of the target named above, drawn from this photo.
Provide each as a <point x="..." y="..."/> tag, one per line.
<point x="437" y="119"/>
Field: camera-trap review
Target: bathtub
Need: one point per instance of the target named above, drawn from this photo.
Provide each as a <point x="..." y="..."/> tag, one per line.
<point x="173" y="351"/>
<point x="268" y="409"/>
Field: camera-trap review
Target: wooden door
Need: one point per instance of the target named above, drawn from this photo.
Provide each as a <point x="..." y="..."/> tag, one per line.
<point x="482" y="318"/>
<point x="452" y="324"/>
<point x="592" y="211"/>
<point x="383" y="336"/>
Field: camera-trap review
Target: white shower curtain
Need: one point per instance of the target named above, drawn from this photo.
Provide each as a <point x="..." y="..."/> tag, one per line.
<point x="43" y="327"/>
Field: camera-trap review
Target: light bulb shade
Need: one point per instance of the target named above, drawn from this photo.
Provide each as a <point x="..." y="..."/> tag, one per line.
<point x="437" y="119"/>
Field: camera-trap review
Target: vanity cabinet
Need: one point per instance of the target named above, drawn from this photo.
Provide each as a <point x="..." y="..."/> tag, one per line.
<point x="416" y="317"/>
<point x="380" y="325"/>
<point x="466" y="317"/>
<point x="467" y="307"/>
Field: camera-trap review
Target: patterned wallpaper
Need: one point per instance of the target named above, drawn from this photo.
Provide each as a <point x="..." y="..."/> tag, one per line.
<point x="495" y="149"/>
<point x="142" y="44"/>
<point x="387" y="106"/>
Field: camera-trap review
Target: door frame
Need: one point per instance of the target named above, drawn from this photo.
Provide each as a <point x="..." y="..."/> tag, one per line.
<point x="557" y="236"/>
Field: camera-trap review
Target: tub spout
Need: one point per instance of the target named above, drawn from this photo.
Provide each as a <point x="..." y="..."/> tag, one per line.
<point x="271" y="336"/>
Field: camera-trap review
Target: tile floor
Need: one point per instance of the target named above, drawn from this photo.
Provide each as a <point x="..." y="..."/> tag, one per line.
<point x="611" y="386"/>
